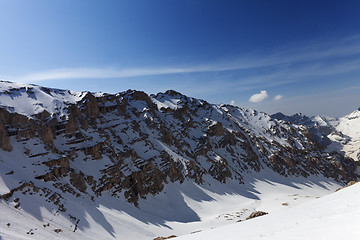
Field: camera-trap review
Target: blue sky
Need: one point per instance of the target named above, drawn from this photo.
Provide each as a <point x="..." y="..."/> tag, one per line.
<point x="289" y="56"/>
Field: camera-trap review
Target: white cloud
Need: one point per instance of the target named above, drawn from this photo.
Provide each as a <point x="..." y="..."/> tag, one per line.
<point x="259" y="97"/>
<point x="232" y="102"/>
<point x="278" y="97"/>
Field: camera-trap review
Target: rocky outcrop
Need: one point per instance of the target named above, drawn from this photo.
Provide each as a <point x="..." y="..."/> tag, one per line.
<point x="95" y="151"/>
<point x="4" y="138"/>
<point x="54" y="174"/>
<point x="256" y="214"/>
<point x="149" y="180"/>
<point x="78" y="181"/>
<point x="92" y="107"/>
<point x="216" y="129"/>
<point x="61" y="162"/>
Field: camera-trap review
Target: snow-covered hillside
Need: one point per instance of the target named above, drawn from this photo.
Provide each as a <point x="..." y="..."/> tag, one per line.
<point x="137" y="166"/>
<point x="341" y="135"/>
<point x="27" y="99"/>
<point x="332" y="217"/>
<point x="179" y="210"/>
<point x="347" y="135"/>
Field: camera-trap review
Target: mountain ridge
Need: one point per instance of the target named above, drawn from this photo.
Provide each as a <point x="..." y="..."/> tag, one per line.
<point x="130" y="146"/>
<point x="334" y="134"/>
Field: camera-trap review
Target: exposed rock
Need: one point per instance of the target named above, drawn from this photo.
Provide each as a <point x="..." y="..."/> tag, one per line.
<point x="62" y="162"/>
<point x="139" y="95"/>
<point x="256" y="214"/>
<point x="149" y="180"/>
<point x="55" y="173"/>
<point x="43" y="115"/>
<point x="92" y="106"/>
<point x="220" y="171"/>
<point x="347" y="185"/>
<point x="216" y="130"/>
<point x="47" y="135"/>
<point x="29" y="185"/>
<point x="77" y="180"/>
<point x="95" y="151"/>
<point x="164" y="238"/>
<point x="4" y="138"/>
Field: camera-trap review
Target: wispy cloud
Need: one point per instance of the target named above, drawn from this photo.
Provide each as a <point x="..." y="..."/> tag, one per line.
<point x="103" y="73"/>
<point x="285" y="66"/>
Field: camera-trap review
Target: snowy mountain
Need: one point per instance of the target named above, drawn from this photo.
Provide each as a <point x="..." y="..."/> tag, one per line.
<point x="30" y="100"/>
<point x="319" y="126"/>
<point x="347" y="136"/>
<point x="341" y="135"/>
<point x="94" y="165"/>
<point x="297" y="118"/>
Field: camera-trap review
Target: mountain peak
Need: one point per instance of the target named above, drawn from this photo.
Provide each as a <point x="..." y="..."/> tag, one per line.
<point x="173" y="93"/>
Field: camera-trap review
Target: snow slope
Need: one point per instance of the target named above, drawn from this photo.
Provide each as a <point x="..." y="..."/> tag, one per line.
<point x="347" y="137"/>
<point x="332" y="217"/>
<point x="180" y="209"/>
<point x="28" y="99"/>
<point x="324" y="121"/>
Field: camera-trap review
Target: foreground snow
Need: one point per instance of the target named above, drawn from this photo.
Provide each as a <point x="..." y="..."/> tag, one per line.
<point x="335" y="216"/>
<point x="181" y="209"/>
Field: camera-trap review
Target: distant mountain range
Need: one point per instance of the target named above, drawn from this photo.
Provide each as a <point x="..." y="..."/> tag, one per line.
<point x="60" y="148"/>
<point x="341" y="135"/>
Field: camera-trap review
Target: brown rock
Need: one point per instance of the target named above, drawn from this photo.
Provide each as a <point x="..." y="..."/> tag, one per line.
<point x="92" y="106"/>
<point x="164" y="238"/>
<point x="77" y="180"/>
<point x="142" y="96"/>
<point x="216" y="129"/>
<point x="256" y="214"/>
<point x="4" y="138"/>
<point x="57" y="172"/>
<point x="149" y="180"/>
<point x="43" y="115"/>
<point x="62" y="162"/>
<point x="95" y="151"/>
<point x="47" y="136"/>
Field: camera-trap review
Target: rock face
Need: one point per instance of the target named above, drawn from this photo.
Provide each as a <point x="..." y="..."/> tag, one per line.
<point x="130" y="145"/>
<point x="4" y="138"/>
